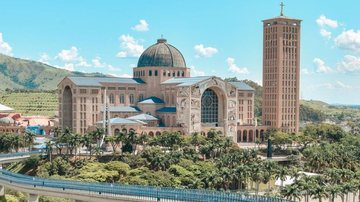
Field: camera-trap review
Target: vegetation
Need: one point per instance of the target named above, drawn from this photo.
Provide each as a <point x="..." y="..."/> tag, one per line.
<point x="18" y="73"/>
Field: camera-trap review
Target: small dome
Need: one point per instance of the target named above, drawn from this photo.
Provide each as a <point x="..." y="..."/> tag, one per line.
<point x="161" y="54"/>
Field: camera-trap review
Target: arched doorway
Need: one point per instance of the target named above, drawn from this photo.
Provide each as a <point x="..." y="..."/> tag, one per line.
<point x="116" y="131"/>
<point x="238" y="136"/>
<point x="151" y="134"/>
<point x="244" y="136"/>
<point x="67" y="106"/>
<point x="157" y="133"/>
<point x="262" y="136"/>
<point x="251" y="136"/>
<point x="209" y="107"/>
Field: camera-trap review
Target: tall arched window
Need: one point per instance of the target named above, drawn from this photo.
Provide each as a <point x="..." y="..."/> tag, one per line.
<point x="178" y="73"/>
<point x="174" y="74"/>
<point x="131" y="98"/>
<point x="156" y="72"/>
<point x="164" y="73"/>
<point x="209" y="107"/>
<point x="169" y="74"/>
<point x="150" y="73"/>
<point x="183" y="74"/>
<point x="111" y="98"/>
<point x="122" y="98"/>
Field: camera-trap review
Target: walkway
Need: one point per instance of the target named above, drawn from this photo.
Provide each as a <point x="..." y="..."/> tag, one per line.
<point x="94" y="192"/>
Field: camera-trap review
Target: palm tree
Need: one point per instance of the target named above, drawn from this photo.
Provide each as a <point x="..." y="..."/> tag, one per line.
<point x="281" y="174"/>
<point x="333" y="191"/>
<point x="87" y="140"/>
<point x="291" y="192"/>
<point x="49" y="149"/>
<point x="319" y="192"/>
<point x="29" y="138"/>
<point x="74" y="143"/>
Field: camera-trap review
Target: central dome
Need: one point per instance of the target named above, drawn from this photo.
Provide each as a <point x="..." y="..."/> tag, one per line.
<point x="161" y="54"/>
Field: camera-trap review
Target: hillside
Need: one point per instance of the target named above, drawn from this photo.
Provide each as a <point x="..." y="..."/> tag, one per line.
<point x="18" y="73"/>
<point x="31" y="103"/>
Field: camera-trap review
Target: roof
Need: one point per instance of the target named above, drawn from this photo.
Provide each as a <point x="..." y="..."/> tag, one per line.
<point x="167" y="110"/>
<point x="123" y="121"/>
<point x="152" y="100"/>
<point x="161" y="54"/>
<point x="6" y="120"/>
<point x="143" y="117"/>
<point x="188" y="81"/>
<point x="96" y="81"/>
<point x="123" y="109"/>
<point x="5" y="109"/>
<point x="242" y="86"/>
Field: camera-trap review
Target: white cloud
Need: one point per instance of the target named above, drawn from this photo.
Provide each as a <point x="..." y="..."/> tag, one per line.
<point x="349" y="63"/>
<point x="143" y="26"/>
<point x="5" y="48"/>
<point x="68" y="55"/>
<point x="121" y="75"/>
<point x="130" y="46"/>
<point x="196" y="72"/>
<point x="340" y="84"/>
<point x="96" y="62"/>
<point x="305" y="71"/>
<point x="349" y="40"/>
<point x="320" y="66"/>
<point x="335" y="85"/>
<point x="67" y="66"/>
<point x="113" y="69"/>
<point x="325" y="33"/>
<point x="44" y="58"/>
<point x="82" y="62"/>
<point x="232" y="67"/>
<point x="324" y="21"/>
<point x="202" y="51"/>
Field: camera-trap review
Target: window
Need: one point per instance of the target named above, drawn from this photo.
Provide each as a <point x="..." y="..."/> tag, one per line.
<point x="178" y="73"/>
<point x="156" y="72"/>
<point x="150" y="73"/>
<point x="183" y="74"/>
<point x="209" y="107"/>
<point x="82" y="91"/>
<point x="111" y="99"/>
<point x="174" y="74"/>
<point x="131" y="98"/>
<point x="164" y="73"/>
<point x="122" y="98"/>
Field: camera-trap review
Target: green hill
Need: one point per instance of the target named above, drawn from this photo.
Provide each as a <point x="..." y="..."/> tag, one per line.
<point x="31" y="103"/>
<point x="18" y="73"/>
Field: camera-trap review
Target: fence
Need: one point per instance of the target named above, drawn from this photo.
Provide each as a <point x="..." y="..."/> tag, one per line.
<point x="136" y="192"/>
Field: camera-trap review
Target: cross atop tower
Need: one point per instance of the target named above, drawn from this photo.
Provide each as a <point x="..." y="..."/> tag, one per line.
<point x="282" y="9"/>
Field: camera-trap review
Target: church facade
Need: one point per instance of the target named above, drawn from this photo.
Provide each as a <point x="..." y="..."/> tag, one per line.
<point x="162" y="96"/>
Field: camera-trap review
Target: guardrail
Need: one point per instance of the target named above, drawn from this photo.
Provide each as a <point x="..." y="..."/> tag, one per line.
<point x="131" y="191"/>
<point x="19" y="154"/>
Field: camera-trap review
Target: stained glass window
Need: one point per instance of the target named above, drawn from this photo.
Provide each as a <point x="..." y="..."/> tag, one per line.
<point x="209" y="107"/>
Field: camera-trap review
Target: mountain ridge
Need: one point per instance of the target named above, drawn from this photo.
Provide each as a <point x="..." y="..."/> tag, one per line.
<point x="23" y="74"/>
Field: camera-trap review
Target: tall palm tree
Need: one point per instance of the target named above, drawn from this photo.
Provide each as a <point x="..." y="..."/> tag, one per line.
<point x="333" y="191"/>
<point x="281" y="174"/>
<point x="49" y="149"/>
<point x="29" y="138"/>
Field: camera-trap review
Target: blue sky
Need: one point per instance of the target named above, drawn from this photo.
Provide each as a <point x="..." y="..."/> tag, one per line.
<point x="222" y="38"/>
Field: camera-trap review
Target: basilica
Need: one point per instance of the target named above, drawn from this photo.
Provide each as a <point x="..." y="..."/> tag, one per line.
<point x="162" y="95"/>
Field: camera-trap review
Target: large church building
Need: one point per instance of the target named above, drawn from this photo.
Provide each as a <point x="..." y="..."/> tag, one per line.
<point x="162" y="96"/>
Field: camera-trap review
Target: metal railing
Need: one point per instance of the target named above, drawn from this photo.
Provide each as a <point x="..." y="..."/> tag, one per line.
<point x="18" y="154"/>
<point x="149" y="193"/>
